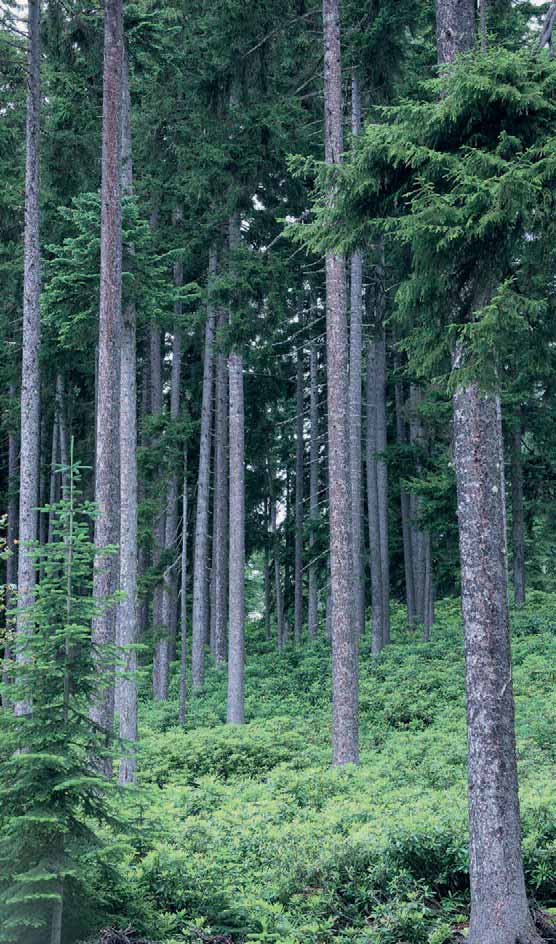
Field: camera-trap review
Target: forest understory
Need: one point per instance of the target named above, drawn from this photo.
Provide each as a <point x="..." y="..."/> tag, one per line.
<point x="248" y="834"/>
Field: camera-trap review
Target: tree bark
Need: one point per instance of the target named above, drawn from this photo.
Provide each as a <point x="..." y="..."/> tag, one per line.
<point x="30" y="366"/>
<point x="345" y="725"/>
<point x="382" y="481"/>
<point x="313" y="490"/>
<point x="499" y="909"/>
<point x="518" y="515"/>
<point x="220" y="515"/>
<point x="63" y="431"/>
<point x="299" y="457"/>
<point x="107" y="426"/>
<point x="200" y="551"/>
<point x="266" y="575"/>
<point x="156" y="405"/>
<point x="183" y="599"/>
<point x="278" y="596"/>
<point x="236" y="608"/>
<point x="53" y="485"/>
<point x="11" y="547"/>
<point x="355" y="348"/>
<point x="377" y="585"/>
<point x="126" y="696"/>
<point x="405" y="513"/>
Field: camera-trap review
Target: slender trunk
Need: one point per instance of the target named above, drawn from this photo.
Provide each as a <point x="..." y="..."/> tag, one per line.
<point x="377" y="585"/>
<point x="313" y="491"/>
<point x="405" y="514"/>
<point x="381" y="443"/>
<point x="355" y="348"/>
<point x="43" y="516"/>
<point x="11" y="547"/>
<point x="279" y="600"/>
<point x="267" y="591"/>
<point x="220" y="516"/>
<point x="128" y="607"/>
<point x="236" y="608"/>
<point x="299" y="457"/>
<point x="183" y="598"/>
<point x="62" y="431"/>
<point x="418" y="536"/>
<point x="57" y="916"/>
<point x="30" y="367"/>
<point x="53" y="488"/>
<point x="518" y="515"/>
<point x="106" y="466"/>
<point x="200" y="551"/>
<point x="155" y="345"/>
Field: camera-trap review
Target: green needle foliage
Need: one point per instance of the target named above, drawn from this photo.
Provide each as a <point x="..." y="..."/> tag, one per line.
<point x="52" y="800"/>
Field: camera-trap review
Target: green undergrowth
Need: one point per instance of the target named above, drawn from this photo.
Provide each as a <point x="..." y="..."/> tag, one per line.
<point x="248" y="831"/>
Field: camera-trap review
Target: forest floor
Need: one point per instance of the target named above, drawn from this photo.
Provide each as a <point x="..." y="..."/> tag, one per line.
<point x="248" y="833"/>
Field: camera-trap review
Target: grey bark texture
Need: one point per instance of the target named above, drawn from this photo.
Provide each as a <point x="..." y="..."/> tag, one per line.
<point x="345" y="656"/>
<point x="405" y="513"/>
<point x="518" y="514"/>
<point x="299" y="464"/>
<point x="62" y="431"/>
<point x="278" y="595"/>
<point x="499" y="908"/>
<point x="220" y="513"/>
<point x="236" y="606"/>
<point x="355" y="349"/>
<point x="266" y="575"/>
<point x="29" y="470"/>
<point x="200" y="550"/>
<point x="313" y="489"/>
<point x="127" y="629"/>
<point x="53" y="484"/>
<point x="183" y="599"/>
<point x="11" y="536"/>
<point x="382" y="480"/>
<point x="156" y="406"/>
<point x="420" y="539"/>
<point x="375" y="555"/>
<point x="107" y="425"/>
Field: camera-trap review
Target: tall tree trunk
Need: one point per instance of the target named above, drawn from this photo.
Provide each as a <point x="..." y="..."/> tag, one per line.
<point x="200" y="551"/>
<point x="266" y="574"/>
<point x="499" y="909"/>
<point x="313" y="489"/>
<point x="377" y="585"/>
<point x="63" y="431"/>
<point x="220" y="516"/>
<point x="53" y="485"/>
<point x="299" y="457"/>
<point x="345" y="724"/>
<point x="518" y="514"/>
<point x="381" y="429"/>
<point x="183" y="598"/>
<point x="236" y="608"/>
<point x="405" y="513"/>
<point x="106" y="471"/>
<point x="156" y="405"/>
<point x="30" y="367"/>
<point x="355" y="348"/>
<point x="11" y="546"/>
<point x="418" y="536"/>
<point x="128" y="608"/>
<point x="278" y="596"/>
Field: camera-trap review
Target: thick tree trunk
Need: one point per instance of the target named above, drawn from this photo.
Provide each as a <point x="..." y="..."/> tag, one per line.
<point x="313" y="489"/>
<point x="200" y="551"/>
<point x="126" y="695"/>
<point x="220" y="515"/>
<point x="499" y="909"/>
<point x="377" y="585"/>
<point x="183" y="599"/>
<point x="405" y="514"/>
<point x="299" y="457"/>
<point x="236" y="609"/>
<point x="518" y="515"/>
<point x="345" y="724"/>
<point x="355" y="348"/>
<point x="107" y="425"/>
<point x="30" y="367"/>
